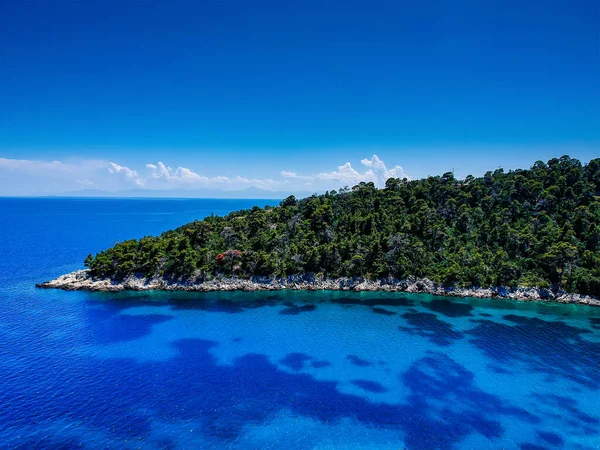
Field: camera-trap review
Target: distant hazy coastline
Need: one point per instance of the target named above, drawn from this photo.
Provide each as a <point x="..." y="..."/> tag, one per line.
<point x="82" y="280"/>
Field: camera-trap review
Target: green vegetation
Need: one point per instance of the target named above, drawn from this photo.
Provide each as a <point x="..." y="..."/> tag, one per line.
<point x="537" y="227"/>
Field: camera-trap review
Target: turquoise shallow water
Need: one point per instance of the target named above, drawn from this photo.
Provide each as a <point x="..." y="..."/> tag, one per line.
<point x="272" y="370"/>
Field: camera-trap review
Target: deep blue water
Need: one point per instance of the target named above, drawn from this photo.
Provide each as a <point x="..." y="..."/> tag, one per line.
<point x="271" y="370"/>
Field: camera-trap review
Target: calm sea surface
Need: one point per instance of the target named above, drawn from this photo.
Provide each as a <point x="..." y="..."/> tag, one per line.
<point x="271" y="370"/>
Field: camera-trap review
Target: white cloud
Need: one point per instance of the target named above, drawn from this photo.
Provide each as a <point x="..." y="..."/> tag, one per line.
<point x="26" y="166"/>
<point x="377" y="172"/>
<point x="260" y="183"/>
<point x="294" y="175"/>
<point x="380" y="170"/>
<point x="182" y="176"/>
<point x="347" y="174"/>
<point x="125" y="172"/>
<point x="164" y="175"/>
<point x="34" y="177"/>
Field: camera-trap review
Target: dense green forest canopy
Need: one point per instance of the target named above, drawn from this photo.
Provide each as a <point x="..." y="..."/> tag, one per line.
<point x="536" y="227"/>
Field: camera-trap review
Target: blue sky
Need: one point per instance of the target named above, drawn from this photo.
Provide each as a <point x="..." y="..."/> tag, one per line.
<point x="245" y="90"/>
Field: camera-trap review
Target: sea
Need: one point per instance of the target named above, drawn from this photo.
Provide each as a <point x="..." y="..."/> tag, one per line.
<point x="271" y="370"/>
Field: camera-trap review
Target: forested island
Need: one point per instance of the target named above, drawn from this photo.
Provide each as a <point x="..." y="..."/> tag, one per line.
<point x="502" y="233"/>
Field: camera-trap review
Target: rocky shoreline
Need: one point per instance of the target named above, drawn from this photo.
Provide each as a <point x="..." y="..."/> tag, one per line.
<point x="82" y="280"/>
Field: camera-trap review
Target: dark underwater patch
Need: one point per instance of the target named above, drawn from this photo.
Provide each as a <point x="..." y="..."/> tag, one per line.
<point x="293" y="310"/>
<point x="112" y="327"/>
<point x="428" y="325"/>
<point x="210" y="305"/>
<point x="396" y="300"/>
<point x="50" y="442"/>
<point x="320" y="364"/>
<point x="295" y="361"/>
<point x="551" y="438"/>
<point x="567" y="405"/>
<point x="500" y="370"/>
<point x="371" y="386"/>
<point x="220" y="302"/>
<point x="548" y="347"/>
<point x="528" y="446"/>
<point x="384" y="312"/>
<point x="346" y="301"/>
<point x="449" y="308"/>
<point x="227" y="399"/>
<point x="358" y="361"/>
<point x="438" y="378"/>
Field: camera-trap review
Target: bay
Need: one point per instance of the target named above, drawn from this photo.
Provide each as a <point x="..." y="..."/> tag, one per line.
<point x="271" y="370"/>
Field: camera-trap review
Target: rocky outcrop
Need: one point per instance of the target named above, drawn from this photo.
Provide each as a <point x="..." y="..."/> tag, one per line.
<point x="82" y="280"/>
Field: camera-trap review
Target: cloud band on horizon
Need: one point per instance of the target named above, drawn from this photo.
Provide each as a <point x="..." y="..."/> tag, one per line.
<point x="33" y="177"/>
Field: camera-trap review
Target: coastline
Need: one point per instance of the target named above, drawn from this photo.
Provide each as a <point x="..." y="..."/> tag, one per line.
<point x="81" y="280"/>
